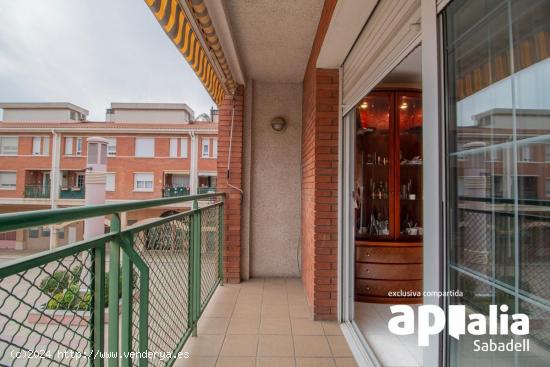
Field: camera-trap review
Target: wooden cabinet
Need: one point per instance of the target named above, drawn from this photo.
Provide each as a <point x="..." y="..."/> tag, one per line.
<point x="388" y="196"/>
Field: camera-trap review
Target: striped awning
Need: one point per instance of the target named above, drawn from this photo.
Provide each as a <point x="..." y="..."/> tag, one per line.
<point x="193" y="37"/>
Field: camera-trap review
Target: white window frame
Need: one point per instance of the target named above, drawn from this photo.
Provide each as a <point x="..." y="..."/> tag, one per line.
<point x="69" y="142"/>
<point x="142" y="177"/>
<point x="10" y="186"/>
<point x="205" y="144"/>
<point x="3" y="145"/>
<point x="173" y="148"/>
<point x="36" y="145"/>
<point x="110" y="186"/>
<point x="45" y="145"/>
<point x="215" y="148"/>
<point x="139" y="152"/>
<point x="525" y="153"/>
<point x="78" y="147"/>
<point x="111" y="147"/>
<point x="184" y="148"/>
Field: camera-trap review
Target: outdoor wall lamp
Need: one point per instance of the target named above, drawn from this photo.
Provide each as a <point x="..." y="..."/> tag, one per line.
<point x="278" y="124"/>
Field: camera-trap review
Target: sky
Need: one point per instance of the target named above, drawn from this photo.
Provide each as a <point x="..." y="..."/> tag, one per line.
<point x="91" y="53"/>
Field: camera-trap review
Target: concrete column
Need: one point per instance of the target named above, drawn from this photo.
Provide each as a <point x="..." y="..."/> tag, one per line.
<point x="54" y="182"/>
<point x="20" y="239"/>
<point x="194" y="171"/>
<point x="95" y="184"/>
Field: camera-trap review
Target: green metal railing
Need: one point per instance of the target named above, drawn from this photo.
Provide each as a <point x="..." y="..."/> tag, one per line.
<point x="37" y="191"/>
<point x="169" y="192"/>
<point x="206" y="190"/>
<point x="71" y="193"/>
<point x="135" y="293"/>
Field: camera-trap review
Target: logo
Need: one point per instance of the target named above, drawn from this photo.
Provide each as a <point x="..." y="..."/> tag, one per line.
<point x="432" y="321"/>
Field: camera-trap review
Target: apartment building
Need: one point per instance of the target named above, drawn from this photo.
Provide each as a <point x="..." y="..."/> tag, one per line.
<point x="154" y="150"/>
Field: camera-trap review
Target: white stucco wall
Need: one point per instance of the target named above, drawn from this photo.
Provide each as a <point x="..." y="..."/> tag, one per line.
<point x="275" y="175"/>
<point x="37" y="115"/>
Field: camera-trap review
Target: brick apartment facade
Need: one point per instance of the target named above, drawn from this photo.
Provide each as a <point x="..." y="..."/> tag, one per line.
<point x="166" y="158"/>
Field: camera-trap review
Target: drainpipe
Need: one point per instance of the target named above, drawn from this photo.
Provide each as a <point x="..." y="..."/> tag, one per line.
<point x="193" y="174"/>
<point x="54" y="182"/>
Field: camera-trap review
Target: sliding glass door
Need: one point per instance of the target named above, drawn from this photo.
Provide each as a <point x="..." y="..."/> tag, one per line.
<point x="497" y="76"/>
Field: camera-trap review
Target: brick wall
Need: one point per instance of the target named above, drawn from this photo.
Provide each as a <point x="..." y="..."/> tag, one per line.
<point x="320" y="179"/>
<point x="233" y="200"/>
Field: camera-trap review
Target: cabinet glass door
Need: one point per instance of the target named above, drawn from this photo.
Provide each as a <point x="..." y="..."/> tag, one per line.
<point x="373" y="176"/>
<point x="409" y="172"/>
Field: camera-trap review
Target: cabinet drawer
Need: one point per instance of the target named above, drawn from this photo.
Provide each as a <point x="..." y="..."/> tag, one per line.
<point x="388" y="271"/>
<point x="381" y="288"/>
<point x="395" y="255"/>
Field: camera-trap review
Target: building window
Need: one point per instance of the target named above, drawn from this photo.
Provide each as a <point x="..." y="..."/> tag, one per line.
<point x="525" y="153"/>
<point x="547" y="153"/>
<point x="8" y="180"/>
<point x="40" y="145"/>
<point x="68" y="145"/>
<point x="61" y="233"/>
<point x="547" y="187"/>
<point x="205" y="147"/>
<point x="45" y="231"/>
<point x="80" y="180"/>
<point x="111" y="147"/>
<point x="78" y="146"/>
<point x="110" y="182"/>
<point x="173" y="147"/>
<point x="143" y="182"/>
<point x="34" y="232"/>
<point x="215" y="148"/>
<point x="9" y="145"/>
<point x="37" y="145"/>
<point x="183" y="148"/>
<point x="145" y="147"/>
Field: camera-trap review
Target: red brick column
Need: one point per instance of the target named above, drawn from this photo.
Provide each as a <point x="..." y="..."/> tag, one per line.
<point x="233" y="199"/>
<point x="320" y="179"/>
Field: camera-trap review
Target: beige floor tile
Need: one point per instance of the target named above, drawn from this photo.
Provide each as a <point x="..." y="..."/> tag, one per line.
<point x="275" y="346"/>
<point x="276" y="362"/>
<point x="311" y="346"/>
<point x="249" y="298"/>
<point x="247" y="310"/>
<point x="338" y="346"/>
<point x="275" y="310"/>
<point x="299" y="310"/>
<point x="219" y="309"/>
<point x="345" y="362"/>
<point x="306" y="327"/>
<point x="240" y="346"/>
<point x="271" y="298"/>
<point x="275" y="326"/>
<point x="195" y="361"/>
<point x="332" y="328"/>
<point x="314" y="362"/>
<point x="213" y="325"/>
<point x="236" y="362"/>
<point x="244" y="325"/>
<point x="204" y="345"/>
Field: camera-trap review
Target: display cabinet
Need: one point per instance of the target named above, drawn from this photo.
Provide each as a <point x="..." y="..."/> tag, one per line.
<point x="388" y="194"/>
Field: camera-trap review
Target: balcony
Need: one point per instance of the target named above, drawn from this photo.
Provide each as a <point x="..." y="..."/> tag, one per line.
<point x="37" y="192"/>
<point x="206" y="190"/>
<point x="71" y="192"/>
<point x="135" y="289"/>
<point x="169" y="192"/>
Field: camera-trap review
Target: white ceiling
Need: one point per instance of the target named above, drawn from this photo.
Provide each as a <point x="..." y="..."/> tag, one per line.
<point x="408" y="71"/>
<point x="274" y="37"/>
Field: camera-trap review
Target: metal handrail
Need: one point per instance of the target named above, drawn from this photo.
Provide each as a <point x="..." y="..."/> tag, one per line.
<point x="12" y="221"/>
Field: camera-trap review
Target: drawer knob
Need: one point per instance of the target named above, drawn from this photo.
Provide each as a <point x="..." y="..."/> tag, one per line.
<point x="368" y="254"/>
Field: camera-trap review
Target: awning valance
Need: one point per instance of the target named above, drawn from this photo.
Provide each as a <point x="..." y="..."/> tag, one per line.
<point x="175" y="21"/>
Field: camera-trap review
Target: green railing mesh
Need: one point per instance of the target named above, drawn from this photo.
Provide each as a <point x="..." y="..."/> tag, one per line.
<point x="45" y="314"/>
<point x="54" y="307"/>
<point x="165" y="250"/>
<point x="209" y="256"/>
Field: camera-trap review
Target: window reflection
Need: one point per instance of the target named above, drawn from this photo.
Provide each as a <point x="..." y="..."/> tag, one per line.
<point x="498" y="161"/>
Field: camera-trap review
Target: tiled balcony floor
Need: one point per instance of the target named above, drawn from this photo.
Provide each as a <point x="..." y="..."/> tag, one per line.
<point x="264" y="323"/>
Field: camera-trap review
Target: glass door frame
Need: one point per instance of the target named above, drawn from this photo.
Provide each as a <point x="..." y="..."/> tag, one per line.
<point x="434" y="263"/>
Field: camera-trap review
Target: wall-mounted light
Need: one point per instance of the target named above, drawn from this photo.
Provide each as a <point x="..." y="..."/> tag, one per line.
<point x="278" y="124"/>
<point x="364" y="105"/>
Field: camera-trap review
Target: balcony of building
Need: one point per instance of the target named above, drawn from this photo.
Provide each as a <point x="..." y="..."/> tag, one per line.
<point x="72" y="184"/>
<point x="37" y="184"/>
<point x="176" y="184"/>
